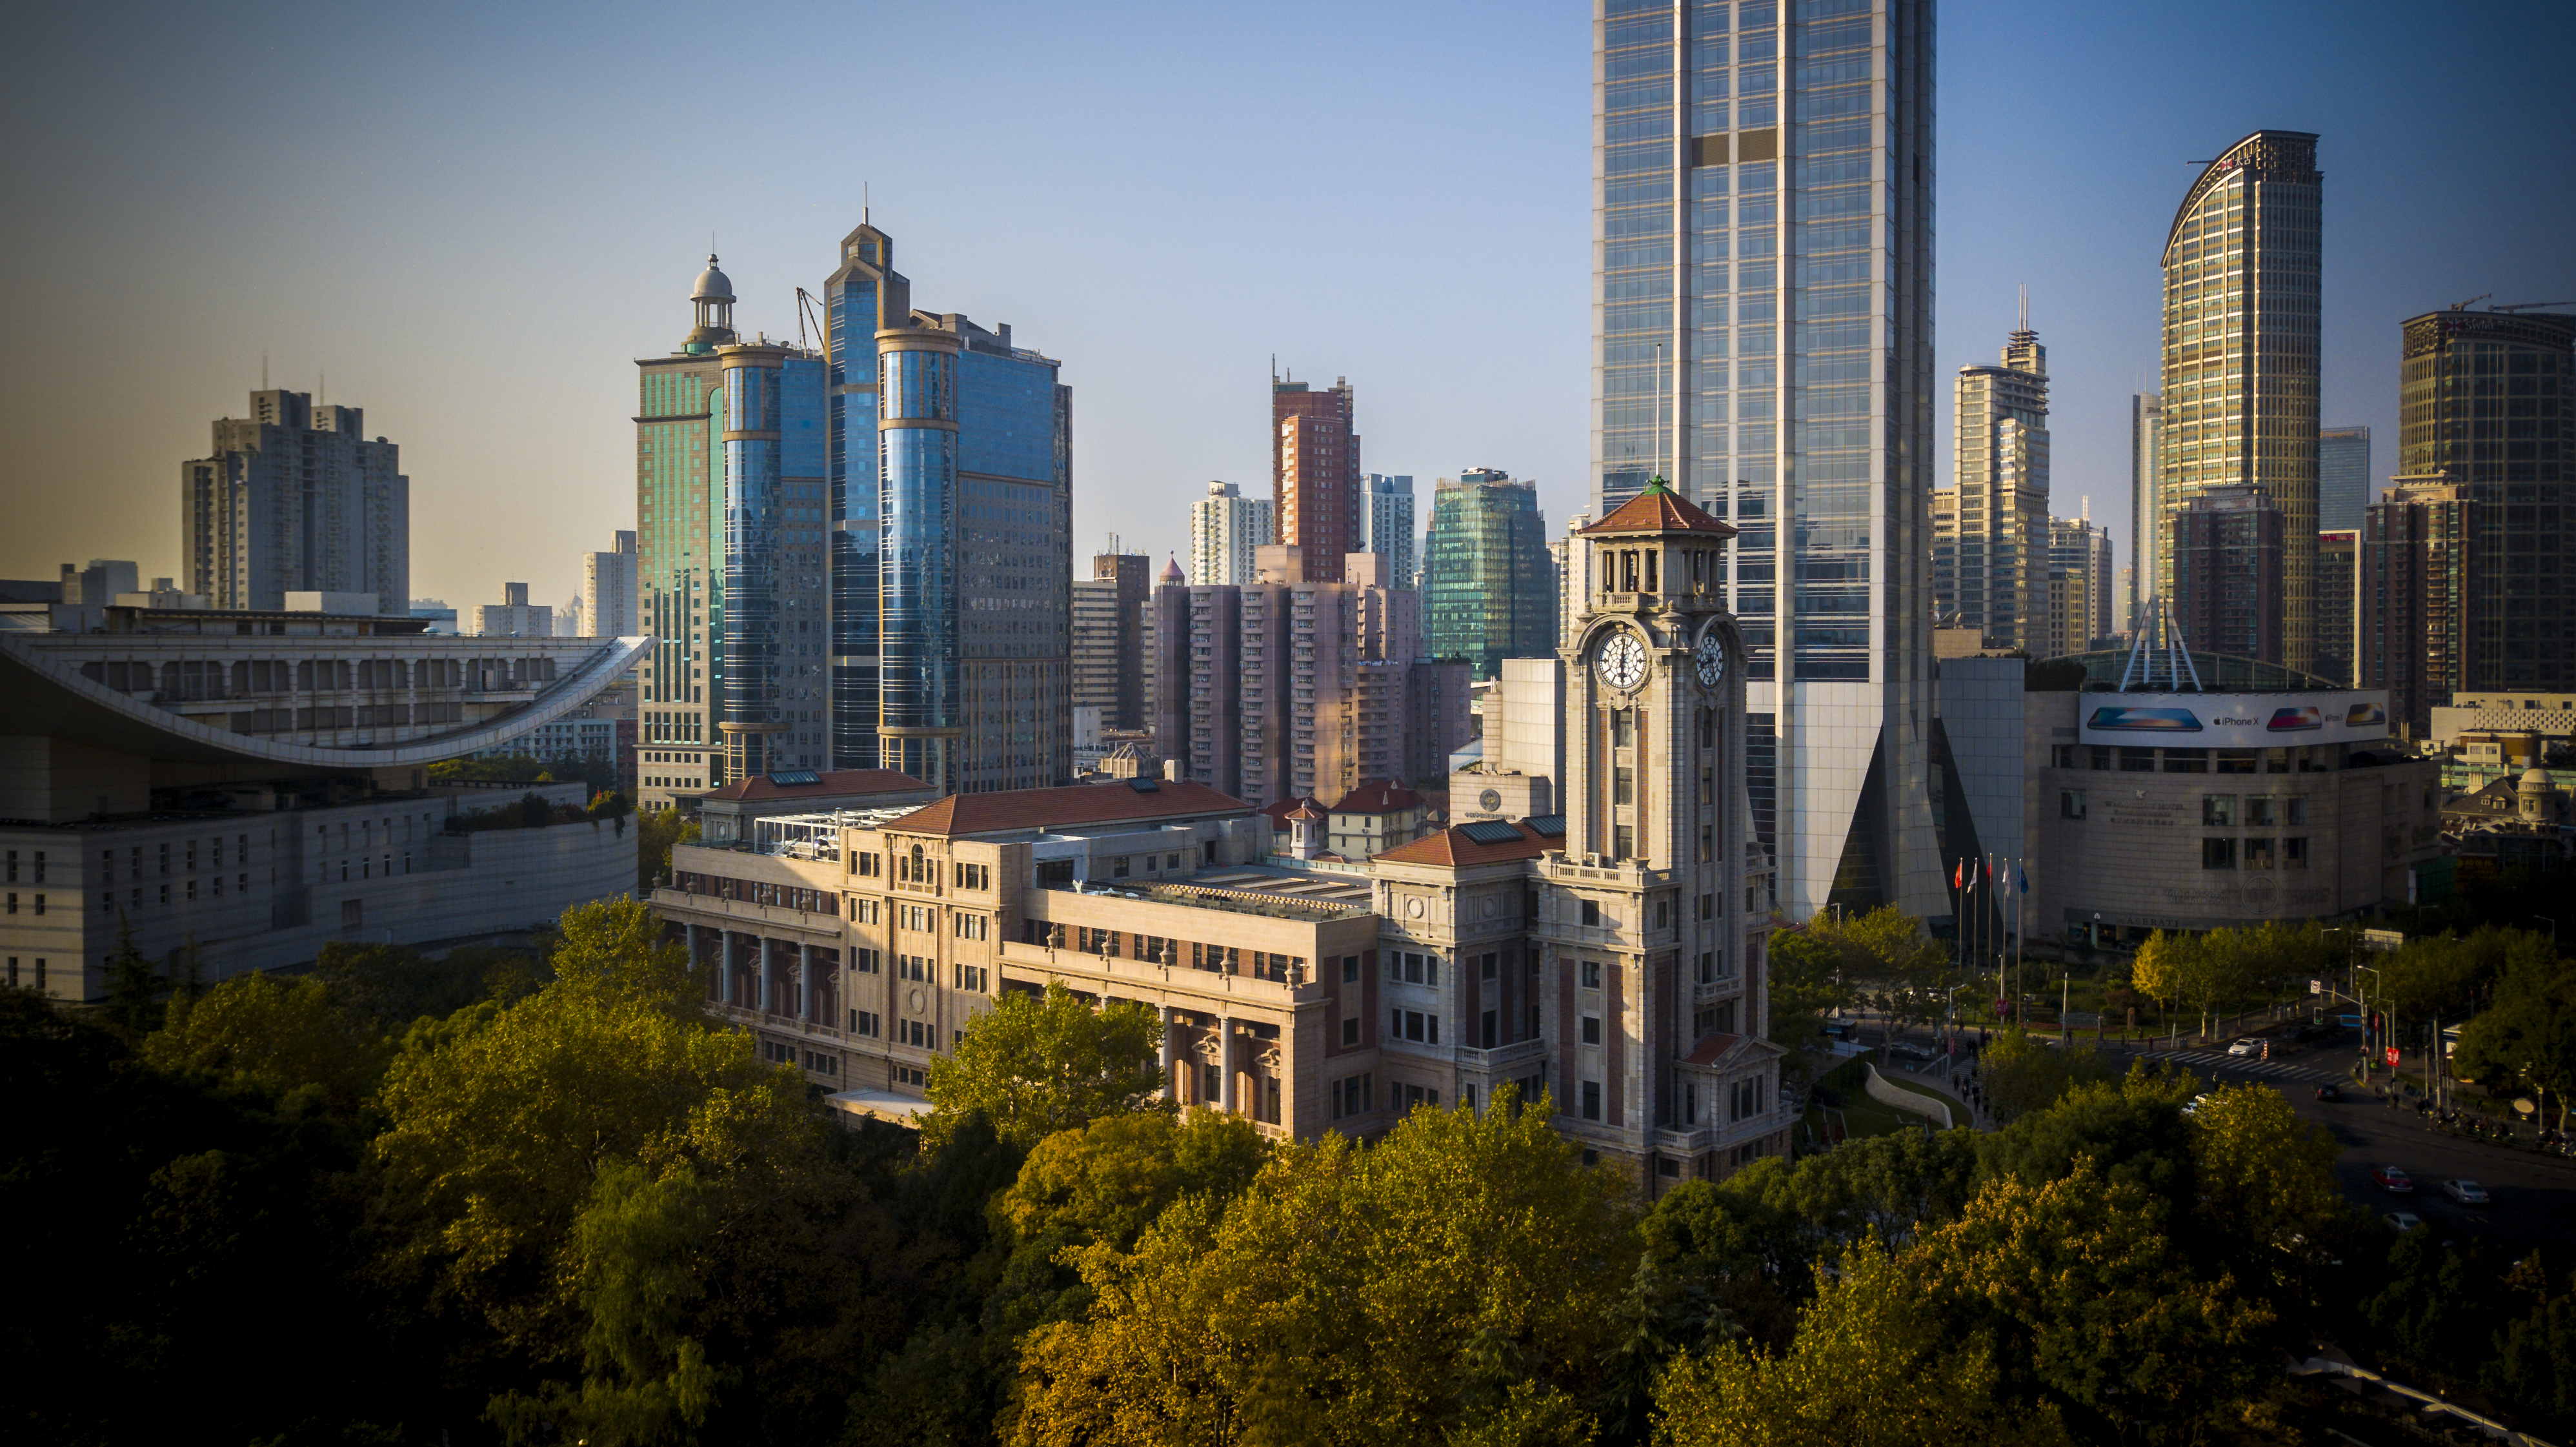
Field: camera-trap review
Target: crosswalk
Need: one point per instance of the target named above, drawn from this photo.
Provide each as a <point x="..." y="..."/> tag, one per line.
<point x="2247" y="1064"/>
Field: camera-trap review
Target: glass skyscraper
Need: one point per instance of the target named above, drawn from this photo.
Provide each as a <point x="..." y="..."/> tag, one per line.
<point x="2343" y="478"/>
<point x="1763" y="264"/>
<point x="2240" y="356"/>
<point x="1487" y="581"/>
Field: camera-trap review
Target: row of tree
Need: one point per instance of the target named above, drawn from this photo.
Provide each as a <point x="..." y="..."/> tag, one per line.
<point x="492" y="1198"/>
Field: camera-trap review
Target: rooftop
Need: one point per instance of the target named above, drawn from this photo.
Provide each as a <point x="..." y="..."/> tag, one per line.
<point x="1268" y="905"/>
<point x="1489" y="841"/>
<point x="810" y="784"/>
<point x="1014" y="810"/>
<point x="1660" y="510"/>
<point x="1379" y="796"/>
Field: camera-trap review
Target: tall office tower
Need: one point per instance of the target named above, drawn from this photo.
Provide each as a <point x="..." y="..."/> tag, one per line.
<point x="1109" y="664"/>
<point x="1315" y="474"/>
<point x="1326" y="684"/>
<point x="514" y="616"/>
<point x="2146" y="504"/>
<point x="2484" y="401"/>
<point x="2228" y="560"/>
<point x="1225" y="526"/>
<point x="294" y="498"/>
<point x="2421" y="590"/>
<point x="2343" y="479"/>
<point x="1386" y="525"/>
<point x="608" y="608"/>
<point x="1198" y="683"/>
<point x="2079" y="566"/>
<point x="2338" y="604"/>
<point x="975" y="560"/>
<point x="2240" y="355"/>
<point x="1488" y="587"/>
<point x="863" y="297"/>
<point x="2001" y="501"/>
<point x="1763" y="246"/>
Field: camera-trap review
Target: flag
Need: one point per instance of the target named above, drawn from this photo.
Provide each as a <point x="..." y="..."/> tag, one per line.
<point x="1959" y="875"/>
<point x="2025" y="877"/>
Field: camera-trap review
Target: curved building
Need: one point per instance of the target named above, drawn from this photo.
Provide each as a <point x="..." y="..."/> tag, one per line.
<point x="2240" y="358"/>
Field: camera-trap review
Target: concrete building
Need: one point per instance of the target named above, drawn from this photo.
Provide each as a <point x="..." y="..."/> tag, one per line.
<point x="241" y="787"/>
<point x="2338" y="604"/>
<point x="731" y="816"/>
<point x="2227" y="566"/>
<point x="1225" y="528"/>
<point x="1198" y="681"/>
<point x="98" y="583"/>
<point x="435" y="612"/>
<point x="295" y="497"/>
<point x="2079" y="570"/>
<point x="1486" y="573"/>
<point x="514" y="616"/>
<point x="2146" y="506"/>
<point x="2343" y="477"/>
<point x="2484" y="404"/>
<point x="1990" y="544"/>
<point x="1736" y="211"/>
<point x="1387" y="527"/>
<point x="608" y="601"/>
<point x="2418" y="582"/>
<point x="1524" y="746"/>
<point x="1109" y="653"/>
<point x="1315" y="474"/>
<point x="2241" y="305"/>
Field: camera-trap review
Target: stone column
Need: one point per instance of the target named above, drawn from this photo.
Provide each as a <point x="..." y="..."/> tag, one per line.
<point x="768" y="1000"/>
<point x="1171" y="1057"/>
<point x="805" y="983"/>
<point x="724" y="963"/>
<point x="1228" y="1099"/>
<point x="689" y="942"/>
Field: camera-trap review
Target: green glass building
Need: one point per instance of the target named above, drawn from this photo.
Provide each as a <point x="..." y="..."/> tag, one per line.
<point x="1488" y="586"/>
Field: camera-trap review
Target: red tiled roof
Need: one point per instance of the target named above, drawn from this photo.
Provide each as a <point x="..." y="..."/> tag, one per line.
<point x="1451" y="847"/>
<point x="1280" y="811"/>
<point x="961" y="814"/>
<point x="1660" y="510"/>
<point x="1380" y="796"/>
<point x="1712" y="1048"/>
<point x="841" y="782"/>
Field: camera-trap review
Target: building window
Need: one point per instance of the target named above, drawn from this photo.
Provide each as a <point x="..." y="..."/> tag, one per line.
<point x="2186" y="761"/>
<point x="2294" y="852"/>
<point x="2218" y="811"/>
<point x="1488" y="966"/>
<point x="2061" y="756"/>
<point x="2298" y="810"/>
<point x="1591" y="1109"/>
<point x="2262" y="811"/>
<point x="1350" y="1032"/>
<point x="2070" y="803"/>
<point x="1486" y="1037"/>
<point x="2236" y="761"/>
<point x="2218" y="854"/>
<point x="1592" y="974"/>
<point x="2136" y="760"/>
<point x="2101" y="757"/>
<point x="2259" y="854"/>
<point x="1350" y="969"/>
<point x="1591" y="1029"/>
<point x="1591" y="912"/>
<point x="863" y="1023"/>
<point x="1212" y="1083"/>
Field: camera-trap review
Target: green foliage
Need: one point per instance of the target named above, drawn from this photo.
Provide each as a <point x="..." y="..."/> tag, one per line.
<point x="2052" y="675"/>
<point x="2022" y="1073"/>
<point x="2529" y="1034"/>
<point x="1036" y="1065"/>
<point x="133" y="986"/>
<point x="2134" y="1133"/>
<point x="1805" y="983"/>
<point x="263" y="1033"/>
<point x="390" y="986"/>
<point x="655" y="833"/>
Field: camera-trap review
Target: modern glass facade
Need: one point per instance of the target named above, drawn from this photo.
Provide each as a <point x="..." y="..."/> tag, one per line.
<point x="2487" y="402"/>
<point x="916" y="580"/>
<point x="776" y="616"/>
<point x="1488" y="584"/>
<point x="2343" y="479"/>
<point x="680" y="522"/>
<point x="1763" y="259"/>
<point x="863" y="297"/>
<point x="2240" y="354"/>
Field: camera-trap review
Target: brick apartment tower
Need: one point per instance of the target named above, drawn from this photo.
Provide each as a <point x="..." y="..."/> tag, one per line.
<point x="1315" y="475"/>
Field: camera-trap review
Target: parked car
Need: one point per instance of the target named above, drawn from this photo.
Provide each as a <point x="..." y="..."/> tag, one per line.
<point x="2404" y="1221"/>
<point x="2467" y="1193"/>
<point x="2246" y="1046"/>
<point x="1910" y="1054"/>
<point x="2394" y="1180"/>
<point x="2329" y="1091"/>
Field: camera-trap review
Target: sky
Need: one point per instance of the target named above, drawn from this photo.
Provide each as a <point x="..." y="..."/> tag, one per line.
<point x="469" y="219"/>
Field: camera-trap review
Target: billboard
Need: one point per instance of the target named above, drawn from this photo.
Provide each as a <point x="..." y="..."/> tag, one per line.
<point x="2235" y="720"/>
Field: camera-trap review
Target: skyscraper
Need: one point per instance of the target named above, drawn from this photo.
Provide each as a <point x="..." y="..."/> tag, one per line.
<point x="863" y="297"/>
<point x="294" y="499"/>
<point x="1315" y="474"/>
<point x="608" y="590"/>
<point x="2146" y="504"/>
<point x="1487" y="581"/>
<point x="2485" y="402"/>
<point x="1763" y="252"/>
<point x="1225" y="527"/>
<point x="1386" y="525"/>
<point x="1999" y="528"/>
<point x="1109" y="664"/>
<point x="2240" y="354"/>
<point x="2343" y="479"/>
<point x="2419" y="591"/>
<point x="2079" y="568"/>
<point x="2338" y="604"/>
<point x="680" y="549"/>
<point x="2228" y="545"/>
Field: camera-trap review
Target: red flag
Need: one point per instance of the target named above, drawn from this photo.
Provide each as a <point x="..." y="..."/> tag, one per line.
<point x="1959" y="875"/>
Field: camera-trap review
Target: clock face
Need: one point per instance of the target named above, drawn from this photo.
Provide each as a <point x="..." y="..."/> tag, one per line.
<point x="1622" y="660"/>
<point x="1709" y="658"/>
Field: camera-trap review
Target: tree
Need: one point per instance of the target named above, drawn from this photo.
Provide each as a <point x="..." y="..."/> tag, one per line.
<point x="133" y="986"/>
<point x="2022" y="1074"/>
<point x="2264" y="1179"/>
<point x="2134" y="1133"/>
<point x="1452" y="1278"/>
<point x="1806" y="982"/>
<point x="392" y="985"/>
<point x="1870" y="1367"/>
<point x="269" y="1034"/>
<point x="2529" y="1033"/>
<point x="2170" y="969"/>
<point x="1035" y="1066"/>
<point x="654" y="836"/>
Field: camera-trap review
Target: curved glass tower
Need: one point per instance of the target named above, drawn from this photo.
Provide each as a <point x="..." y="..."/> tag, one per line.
<point x="917" y="724"/>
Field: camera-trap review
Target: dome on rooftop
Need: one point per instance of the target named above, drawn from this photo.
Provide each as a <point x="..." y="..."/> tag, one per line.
<point x="713" y="285"/>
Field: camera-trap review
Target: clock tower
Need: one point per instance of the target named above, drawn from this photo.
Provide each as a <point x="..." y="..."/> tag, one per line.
<point x="1652" y="935"/>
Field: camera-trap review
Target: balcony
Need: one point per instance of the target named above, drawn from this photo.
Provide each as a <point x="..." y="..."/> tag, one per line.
<point x="1107" y="972"/>
<point x="776" y="1023"/>
<point x="678" y="901"/>
<point x="1504" y="1057"/>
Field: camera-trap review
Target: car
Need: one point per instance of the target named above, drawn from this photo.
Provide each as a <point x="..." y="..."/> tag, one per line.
<point x="2404" y="1221"/>
<point x="2247" y="1046"/>
<point x="2467" y="1193"/>
<point x="2329" y="1091"/>
<point x="2394" y="1180"/>
<point x="1912" y="1053"/>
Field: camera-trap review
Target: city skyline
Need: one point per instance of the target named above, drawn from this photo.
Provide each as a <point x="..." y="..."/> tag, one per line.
<point x="368" y="301"/>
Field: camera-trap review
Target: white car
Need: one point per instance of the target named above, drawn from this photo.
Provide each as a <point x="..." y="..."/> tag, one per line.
<point x="2467" y="1193"/>
<point x="2404" y="1221"/>
<point x="2246" y="1046"/>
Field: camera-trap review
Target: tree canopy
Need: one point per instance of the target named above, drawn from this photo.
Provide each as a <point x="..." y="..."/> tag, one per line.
<point x="1034" y="1065"/>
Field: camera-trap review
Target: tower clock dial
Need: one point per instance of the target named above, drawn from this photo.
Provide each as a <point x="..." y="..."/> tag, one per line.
<point x="1621" y="660"/>
<point x="1709" y="657"/>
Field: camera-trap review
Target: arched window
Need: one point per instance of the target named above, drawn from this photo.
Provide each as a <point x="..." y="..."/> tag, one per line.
<point x="920" y="870"/>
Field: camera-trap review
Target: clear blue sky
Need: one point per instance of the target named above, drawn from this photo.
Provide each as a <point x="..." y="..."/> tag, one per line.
<point x="472" y="217"/>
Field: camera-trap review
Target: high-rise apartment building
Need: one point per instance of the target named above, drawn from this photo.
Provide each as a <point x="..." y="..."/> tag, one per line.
<point x="2228" y="549"/>
<point x="1198" y="680"/>
<point x="1993" y="552"/>
<point x="2419" y="594"/>
<point x="608" y="608"/>
<point x="1488" y="586"/>
<point x="2079" y="570"/>
<point x="2338" y="604"/>
<point x="1225" y="528"/>
<point x="294" y="498"/>
<point x="1109" y="664"/>
<point x="1387" y="526"/>
<point x="1763" y="259"/>
<point x="2343" y="480"/>
<point x="1315" y="474"/>
<point x="514" y="616"/>
<point x="2146" y="505"/>
<point x="2487" y="401"/>
<point x="2240" y="356"/>
<point x="99" y="581"/>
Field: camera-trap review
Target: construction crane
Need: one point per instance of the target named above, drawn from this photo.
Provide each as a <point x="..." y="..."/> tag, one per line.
<point x="2524" y="306"/>
<point x="2461" y="306"/>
